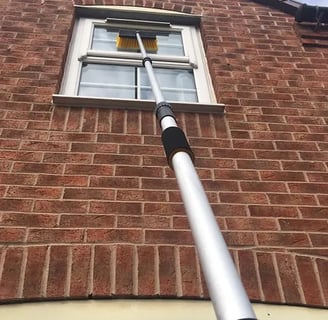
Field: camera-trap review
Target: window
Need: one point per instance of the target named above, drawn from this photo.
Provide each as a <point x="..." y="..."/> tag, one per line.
<point x="96" y="68"/>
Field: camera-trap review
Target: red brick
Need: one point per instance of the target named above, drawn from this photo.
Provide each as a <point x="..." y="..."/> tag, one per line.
<point x="146" y="271"/>
<point x="248" y="273"/>
<point x="148" y="123"/>
<point x="120" y="138"/>
<point x="80" y="270"/>
<point x="102" y="274"/>
<point x="89" y="120"/>
<point x="319" y="239"/>
<point x="45" y="146"/>
<point x="81" y="158"/>
<point x="140" y="195"/>
<point x="88" y="193"/>
<point x="150" y="222"/>
<point x="72" y="137"/>
<point x="314" y="156"/>
<point x="283" y="239"/>
<point x="17" y="179"/>
<point x="114" y="182"/>
<point x="56" y="180"/>
<point x="236" y="174"/>
<point x="125" y="261"/>
<point x="293" y="145"/>
<point x="73" y="119"/>
<point x="167" y="271"/>
<point x="89" y="147"/>
<point x="303" y="165"/>
<point x="251" y="186"/>
<point x="35" y="268"/>
<point x="28" y="220"/>
<point x="291" y="199"/>
<point x="121" y="159"/>
<point x="314" y="212"/>
<point x="15" y="205"/>
<point x="58" y="272"/>
<point x="87" y="221"/>
<point x="190" y="278"/>
<point x="323" y="276"/>
<point x="245" y="197"/>
<point x="21" y="155"/>
<point x="279" y="155"/>
<point x="133" y="124"/>
<point x="11" y="273"/>
<point x="117" y="207"/>
<point x="148" y="172"/>
<point x="306" y="225"/>
<point x="269" y="282"/>
<point x="250" y="224"/>
<point x="115" y="235"/>
<point x="323" y="200"/>
<point x="55" y="235"/>
<point x="34" y="192"/>
<point x="164" y="208"/>
<point x="258" y="164"/>
<point x="317" y="177"/>
<point x="282" y="176"/>
<point x="168" y="237"/>
<point x="60" y="206"/>
<point x="105" y="170"/>
<point x="11" y="235"/>
<point x="305" y="267"/>
<point x="38" y="168"/>
<point x="308" y="187"/>
<point x="240" y="239"/>
<point x="288" y="278"/>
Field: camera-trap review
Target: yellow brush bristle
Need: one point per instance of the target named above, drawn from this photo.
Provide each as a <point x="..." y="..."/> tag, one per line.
<point x="131" y="44"/>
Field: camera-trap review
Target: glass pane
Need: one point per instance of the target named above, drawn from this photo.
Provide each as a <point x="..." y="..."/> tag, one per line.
<point x="176" y="84"/>
<point x="112" y="81"/>
<point x="170" y="44"/>
<point x="104" y="39"/>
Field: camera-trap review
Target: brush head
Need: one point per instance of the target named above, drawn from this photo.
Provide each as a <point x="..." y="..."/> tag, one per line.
<point x="127" y="41"/>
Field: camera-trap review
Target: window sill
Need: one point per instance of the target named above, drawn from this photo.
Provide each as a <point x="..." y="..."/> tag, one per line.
<point x="126" y="104"/>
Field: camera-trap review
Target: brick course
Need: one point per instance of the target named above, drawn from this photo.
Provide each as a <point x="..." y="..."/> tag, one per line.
<point x="88" y="205"/>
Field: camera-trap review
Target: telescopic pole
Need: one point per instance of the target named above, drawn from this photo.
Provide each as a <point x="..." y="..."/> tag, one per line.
<point x="227" y="293"/>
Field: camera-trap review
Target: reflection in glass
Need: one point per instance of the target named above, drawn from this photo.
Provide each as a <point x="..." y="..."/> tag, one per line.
<point x="176" y="84"/>
<point x="130" y="82"/>
<point x="112" y="81"/>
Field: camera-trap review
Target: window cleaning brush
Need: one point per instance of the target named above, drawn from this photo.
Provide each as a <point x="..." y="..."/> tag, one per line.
<point x="127" y="41"/>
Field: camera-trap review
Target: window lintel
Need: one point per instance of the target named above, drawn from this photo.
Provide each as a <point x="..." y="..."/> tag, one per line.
<point x="120" y="12"/>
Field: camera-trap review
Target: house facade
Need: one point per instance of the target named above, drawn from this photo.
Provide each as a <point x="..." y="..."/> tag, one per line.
<point x="89" y="207"/>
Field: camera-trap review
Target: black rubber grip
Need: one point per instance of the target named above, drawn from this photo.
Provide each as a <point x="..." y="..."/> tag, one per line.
<point x="174" y="140"/>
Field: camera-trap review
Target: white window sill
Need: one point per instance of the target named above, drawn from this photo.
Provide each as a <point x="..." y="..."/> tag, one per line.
<point x="126" y="104"/>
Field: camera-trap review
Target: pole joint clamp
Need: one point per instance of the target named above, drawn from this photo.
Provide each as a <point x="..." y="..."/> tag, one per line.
<point x="163" y="109"/>
<point x="145" y="59"/>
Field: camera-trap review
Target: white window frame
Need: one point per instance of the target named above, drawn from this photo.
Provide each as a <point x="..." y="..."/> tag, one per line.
<point x="80" y="51"/>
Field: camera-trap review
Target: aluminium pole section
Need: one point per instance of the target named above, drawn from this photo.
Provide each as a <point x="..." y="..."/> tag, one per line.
<point x="227" y="293"/>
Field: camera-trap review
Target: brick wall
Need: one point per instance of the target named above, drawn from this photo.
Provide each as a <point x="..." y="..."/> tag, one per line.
<point x="88" y="206"/>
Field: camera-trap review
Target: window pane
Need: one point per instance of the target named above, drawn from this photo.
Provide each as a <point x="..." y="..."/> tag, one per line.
<point x="112" y="81"/>
<point x="176" y="84"/>
<point x="104" y="39"/>
<point x="170" y="44"/>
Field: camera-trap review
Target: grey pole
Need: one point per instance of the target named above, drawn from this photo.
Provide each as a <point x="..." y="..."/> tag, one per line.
<point x="227" y="293"/>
